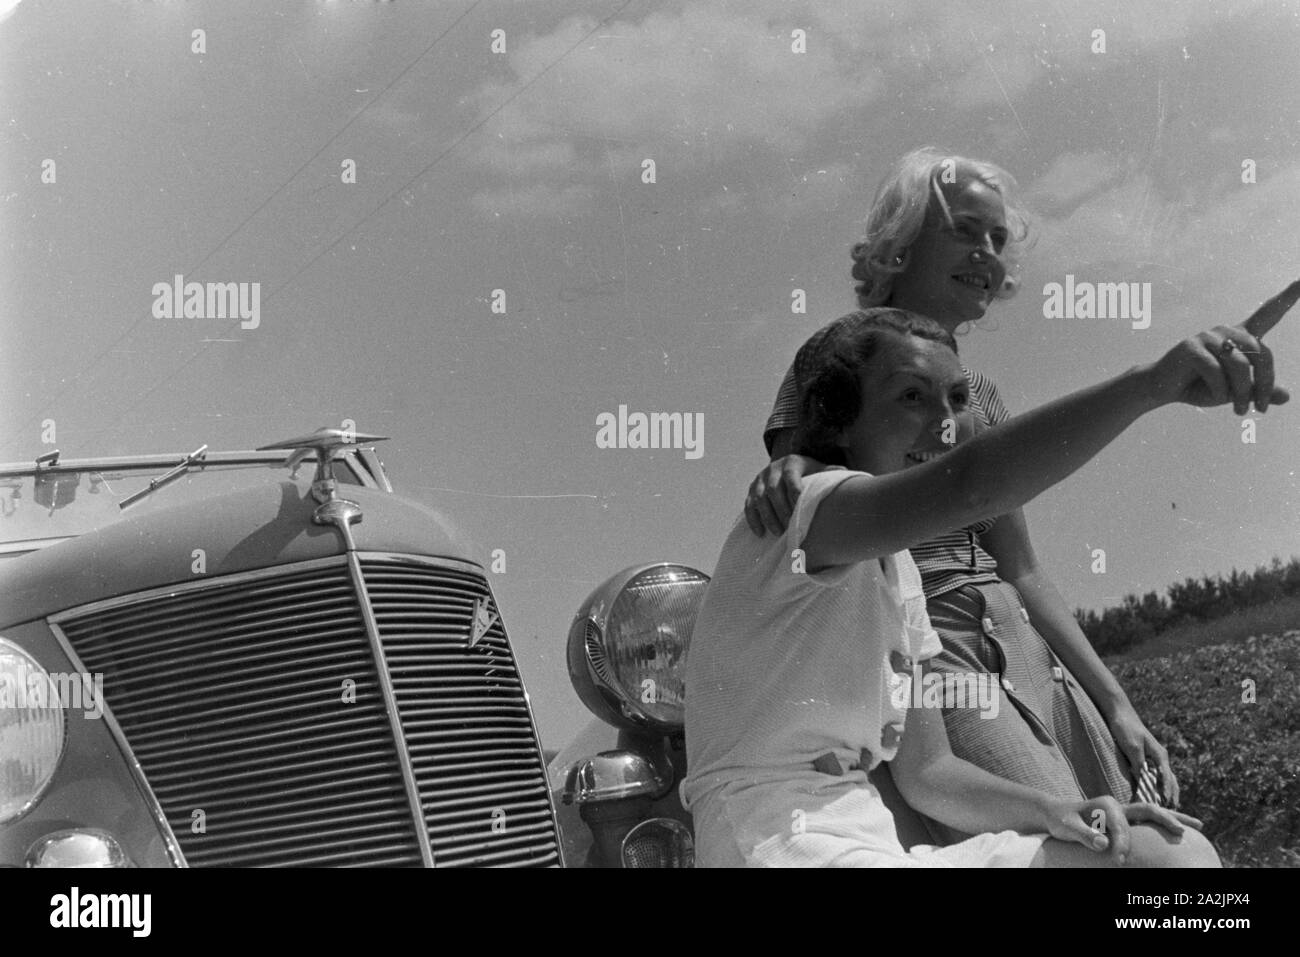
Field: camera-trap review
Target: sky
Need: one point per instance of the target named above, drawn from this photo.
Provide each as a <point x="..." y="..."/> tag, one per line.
<point x="502" y="146"/>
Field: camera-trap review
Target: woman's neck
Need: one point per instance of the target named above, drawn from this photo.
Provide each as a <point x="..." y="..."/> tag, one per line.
<point x="949" y="323"/>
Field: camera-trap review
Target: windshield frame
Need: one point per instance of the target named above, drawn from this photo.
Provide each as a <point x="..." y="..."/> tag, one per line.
<point x="363" y="463"/>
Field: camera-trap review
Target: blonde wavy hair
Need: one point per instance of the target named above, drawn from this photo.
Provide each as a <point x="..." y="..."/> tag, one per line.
<point x="898" y="215"/>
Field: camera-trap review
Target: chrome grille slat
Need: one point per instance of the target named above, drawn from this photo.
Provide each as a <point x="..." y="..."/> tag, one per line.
<point x="284" y="765"/>
<point x="294" y="796"/>
<point x="346" y="861"/>
<point x="380" y="774"/>
<point x="476" y="797"/>
<point x="433" y="748"/>
<point x="231" y="746"/>
<point x="306" y="770"/>
<point x="251" y="681"/>
<point x="257" y="853"/>
<point x="471" y="814"/>
<point x="285" y="811"/>
<point x="229" y="694"/>
<point x="511" y="858"/>
<point x="126" y="634"/>
<point x="483" y="839"/>
<point x="119" y="631"/>
<point x="264" y="835"/>
<point x="480" y="725"/>
<point x="532" y="823"/>
<point x="219" y="738"/>
<point x="451" y="780"/>
<point x="272" y="650"/>
<point x="437" y="667"/>
<point x="290" y="706"/>
<point x="492" y="681"/>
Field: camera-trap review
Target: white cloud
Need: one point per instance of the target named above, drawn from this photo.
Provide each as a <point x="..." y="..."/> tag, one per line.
<point x="690" y="87"/>
<point x="696" y="83"/>
<point x="1230" y="239"/>
<point x="820" y="190"/>
<point x="7" y="7"/>
<point x="713" y="85"/>
<point x="1071" y="177"/>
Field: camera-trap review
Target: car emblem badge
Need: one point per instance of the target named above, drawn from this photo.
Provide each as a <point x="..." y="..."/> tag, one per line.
<point x="482" y="621"/>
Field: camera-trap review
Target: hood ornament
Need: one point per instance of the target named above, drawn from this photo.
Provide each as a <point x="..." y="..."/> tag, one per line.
<point x="328" y="444"/>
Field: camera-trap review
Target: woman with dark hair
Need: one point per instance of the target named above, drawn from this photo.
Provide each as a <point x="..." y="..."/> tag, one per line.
<point x="941" y="240"/>
<point x="807" y="645"/>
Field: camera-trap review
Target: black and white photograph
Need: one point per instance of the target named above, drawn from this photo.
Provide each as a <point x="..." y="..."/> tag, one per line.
<point x="672" y="434"/>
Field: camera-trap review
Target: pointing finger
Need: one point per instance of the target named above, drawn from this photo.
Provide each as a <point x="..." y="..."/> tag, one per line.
<point x="1268" y="315"/>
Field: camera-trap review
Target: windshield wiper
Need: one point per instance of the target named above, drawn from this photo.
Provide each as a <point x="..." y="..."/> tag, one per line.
<point x="167" y="477"/>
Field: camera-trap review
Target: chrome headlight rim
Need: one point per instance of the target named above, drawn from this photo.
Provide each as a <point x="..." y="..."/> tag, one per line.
<point x="589" y="671"/>
<point x="9" y="647"/>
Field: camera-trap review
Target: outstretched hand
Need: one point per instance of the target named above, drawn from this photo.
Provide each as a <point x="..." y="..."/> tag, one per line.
<point x="1227" y="363"/>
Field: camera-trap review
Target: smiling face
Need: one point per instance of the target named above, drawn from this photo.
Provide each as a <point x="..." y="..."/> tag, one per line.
<point x="909" y="388"/>
<point x="952" y="270"/>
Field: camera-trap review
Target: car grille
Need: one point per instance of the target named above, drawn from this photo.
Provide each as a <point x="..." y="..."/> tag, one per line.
<point x="255" y="710"/>
<point x="464" y="715"/>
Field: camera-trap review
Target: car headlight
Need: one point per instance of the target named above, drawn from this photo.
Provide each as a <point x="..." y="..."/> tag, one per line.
<point x="628" y="642"/>
<point x="31" y="731"/>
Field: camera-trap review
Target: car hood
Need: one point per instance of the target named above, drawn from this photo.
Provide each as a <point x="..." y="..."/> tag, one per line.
<point x="240" y="531"/>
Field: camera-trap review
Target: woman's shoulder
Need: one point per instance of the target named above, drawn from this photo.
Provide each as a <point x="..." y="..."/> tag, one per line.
<point x="979" y="380"/>
<point x="816" y="487"/>
<point x="985" y="393"/>
<point x="814" y="490"/>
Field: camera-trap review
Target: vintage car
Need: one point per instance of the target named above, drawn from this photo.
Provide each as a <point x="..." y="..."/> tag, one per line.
<point x="269" y="658"/>
<point x="254" y="659"/>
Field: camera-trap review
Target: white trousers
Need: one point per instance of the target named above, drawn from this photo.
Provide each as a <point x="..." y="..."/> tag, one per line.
<point x="820" y="820"/>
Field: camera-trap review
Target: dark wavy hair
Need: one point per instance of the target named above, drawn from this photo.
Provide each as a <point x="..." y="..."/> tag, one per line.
<point x="827" y="369"/>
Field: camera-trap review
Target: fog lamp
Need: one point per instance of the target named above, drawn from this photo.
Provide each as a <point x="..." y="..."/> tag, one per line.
<point x="78" y="847"/>
<point x="613" y="776"/>
<point x="614" y="791"/>
<point x="659" y="842"/>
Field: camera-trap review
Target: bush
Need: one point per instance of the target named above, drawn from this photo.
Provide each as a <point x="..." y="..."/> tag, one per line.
<point x="1137" y="620"/>
<point x="1237" y="761"/>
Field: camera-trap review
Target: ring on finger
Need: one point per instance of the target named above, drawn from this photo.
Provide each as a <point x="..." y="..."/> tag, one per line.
<point x="1226" y="347"/>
